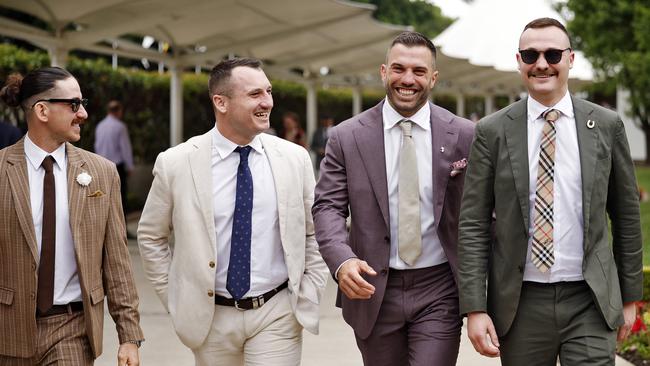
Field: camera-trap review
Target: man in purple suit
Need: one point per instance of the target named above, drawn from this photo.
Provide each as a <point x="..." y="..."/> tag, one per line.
<point x="397" y="169"/>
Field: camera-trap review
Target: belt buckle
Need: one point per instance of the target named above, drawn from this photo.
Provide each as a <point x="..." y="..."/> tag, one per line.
<point x="258" y="301"/>
<point x="237" y="306"/>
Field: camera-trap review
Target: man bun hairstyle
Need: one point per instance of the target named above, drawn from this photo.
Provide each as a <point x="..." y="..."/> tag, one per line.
<point x="19" y="89"/>
<point x="221" y="73"/>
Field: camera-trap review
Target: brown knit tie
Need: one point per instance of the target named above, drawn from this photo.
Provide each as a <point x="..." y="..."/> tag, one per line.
<point x="45" y="293"/>
<point x="542" y="247"/>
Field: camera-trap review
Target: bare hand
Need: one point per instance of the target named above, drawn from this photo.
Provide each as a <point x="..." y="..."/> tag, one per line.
<point x="127" y="355"/>
<point x="629" y="315"/>
<point x="351" y="282"/>
<point x="481" y="332"/>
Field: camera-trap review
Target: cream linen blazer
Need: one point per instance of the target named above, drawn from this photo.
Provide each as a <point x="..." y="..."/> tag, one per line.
<point x="179" y="209"/>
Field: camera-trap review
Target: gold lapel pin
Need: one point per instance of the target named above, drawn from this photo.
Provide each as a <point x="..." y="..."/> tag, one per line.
<point x="591" y="123"/>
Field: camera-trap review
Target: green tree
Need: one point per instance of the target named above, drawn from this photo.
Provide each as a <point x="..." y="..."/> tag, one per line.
<point x="425" y="17"/>
<point x="615" y="36"/>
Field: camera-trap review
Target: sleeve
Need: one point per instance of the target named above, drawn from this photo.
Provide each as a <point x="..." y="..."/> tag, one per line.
<point x="117" y="275"/>
<point x="623" y="210"/>
<point x="474" y="232"/>
<point x="331" y="206"/>
<point x="154" y="230"/>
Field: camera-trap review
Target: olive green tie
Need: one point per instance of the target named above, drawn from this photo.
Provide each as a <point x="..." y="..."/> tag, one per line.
<point x="409" y="233"/>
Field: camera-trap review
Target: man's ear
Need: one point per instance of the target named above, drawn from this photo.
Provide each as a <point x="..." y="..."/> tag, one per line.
<point x="220" y="103"/>
<point x="41" y="112"/>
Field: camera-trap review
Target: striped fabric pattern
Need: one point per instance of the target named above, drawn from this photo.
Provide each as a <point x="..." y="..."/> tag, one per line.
<point x="99" y="236"/>
<point x="542" y="246"/>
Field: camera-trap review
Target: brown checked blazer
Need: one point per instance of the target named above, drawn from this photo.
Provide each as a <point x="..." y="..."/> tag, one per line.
<point x="99" y="237"/>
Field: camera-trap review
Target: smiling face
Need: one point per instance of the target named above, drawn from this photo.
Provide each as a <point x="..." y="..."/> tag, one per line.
<point x="408" y="77"/>
<point x="546" y="83"/>
<point x="243" y="112"/>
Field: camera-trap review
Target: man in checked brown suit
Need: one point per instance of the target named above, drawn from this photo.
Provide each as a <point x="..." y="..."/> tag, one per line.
<point x="62" y="237"/>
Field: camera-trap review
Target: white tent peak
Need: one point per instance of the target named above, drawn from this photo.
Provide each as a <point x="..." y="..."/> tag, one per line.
<point x="487" y="34"/>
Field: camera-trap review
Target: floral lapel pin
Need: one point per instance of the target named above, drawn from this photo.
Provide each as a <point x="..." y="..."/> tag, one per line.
<point x="97" y="193"/>
<point x="457" y="167"/>
<point x="84" y="179"/>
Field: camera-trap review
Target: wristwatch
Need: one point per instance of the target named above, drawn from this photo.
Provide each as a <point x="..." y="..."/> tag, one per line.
<point x="137" y="343"/>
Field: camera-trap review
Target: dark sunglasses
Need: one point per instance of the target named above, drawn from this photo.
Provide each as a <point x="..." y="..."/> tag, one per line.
<point x="75" y="103"/>
<point x="552" y="55"/>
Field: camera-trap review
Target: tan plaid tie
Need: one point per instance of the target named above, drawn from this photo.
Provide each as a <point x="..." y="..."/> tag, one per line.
<point x="409" y="233"/>
<point x="542" y="248"/>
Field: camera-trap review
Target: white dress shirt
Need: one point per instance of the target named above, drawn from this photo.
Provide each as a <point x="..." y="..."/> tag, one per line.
<point x="567" y="193"/>
<point x="432" y="252"/>
<point x="268" y="269"/>
<point x="66" y="280"/>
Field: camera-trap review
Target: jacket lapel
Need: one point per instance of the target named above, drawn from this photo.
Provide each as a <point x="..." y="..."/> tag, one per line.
<point x="274" y="155"/>
<point x="444" y="136"/>
<point x="516" y="132"/>
<point x="200" y="161"/>
<point x="588" y="147"/>
<point x="370" y="142"/>
<point x="76" y="197"/>
<point x="19" y="185"/>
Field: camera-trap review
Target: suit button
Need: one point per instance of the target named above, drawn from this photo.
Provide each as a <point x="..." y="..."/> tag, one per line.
<point x="211" y="264"/>
<point x="384" y="272"/>
<point x="33" y="266"/>
<point x="387" y="239"/>
<point x="32" y="296"/>
<point x="210" y="293"/>
<point x="521" y="268"/>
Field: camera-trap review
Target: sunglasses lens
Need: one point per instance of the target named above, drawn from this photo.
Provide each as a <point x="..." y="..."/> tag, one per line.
<point x="529" y="56"/>
<point x="553" y="56"/>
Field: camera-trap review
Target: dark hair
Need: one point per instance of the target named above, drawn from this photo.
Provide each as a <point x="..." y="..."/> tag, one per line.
<point x="18" y="89"/>
<point x="114" y="106"/>
<point x="411" y="39"/>
<point x="220" y="74"/>
<point x="545" y="23"/>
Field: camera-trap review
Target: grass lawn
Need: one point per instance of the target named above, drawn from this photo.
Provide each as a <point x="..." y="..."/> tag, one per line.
<point x="643" y="176"/>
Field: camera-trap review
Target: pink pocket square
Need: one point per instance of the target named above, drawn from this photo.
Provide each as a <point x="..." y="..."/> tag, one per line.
<point x="457" y="167"/>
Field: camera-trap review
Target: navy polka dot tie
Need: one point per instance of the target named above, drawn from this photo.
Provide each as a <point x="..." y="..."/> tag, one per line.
<point x="239" y="268"/>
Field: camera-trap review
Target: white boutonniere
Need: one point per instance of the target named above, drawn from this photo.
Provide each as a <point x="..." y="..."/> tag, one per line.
<point x="84" y="179"/>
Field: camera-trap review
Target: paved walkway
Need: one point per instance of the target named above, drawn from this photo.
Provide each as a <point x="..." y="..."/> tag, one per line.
<point x="334" y="345"/>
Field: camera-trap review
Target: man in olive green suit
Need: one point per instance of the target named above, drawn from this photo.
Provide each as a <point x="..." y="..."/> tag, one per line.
<point x="537" y="276"/>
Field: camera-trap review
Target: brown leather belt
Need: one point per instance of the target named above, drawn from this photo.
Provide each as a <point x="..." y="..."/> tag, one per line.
<point x="250" y="302"/>
<point x="62" y="309"/>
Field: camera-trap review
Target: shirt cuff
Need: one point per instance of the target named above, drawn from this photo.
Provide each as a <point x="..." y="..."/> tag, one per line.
<point x="336" y="274"/>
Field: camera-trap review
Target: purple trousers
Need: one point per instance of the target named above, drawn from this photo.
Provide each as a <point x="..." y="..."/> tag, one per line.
<point x="418" y="323"/>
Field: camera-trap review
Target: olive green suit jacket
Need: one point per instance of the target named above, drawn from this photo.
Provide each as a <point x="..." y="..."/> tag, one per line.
<point x="494" y="218"/>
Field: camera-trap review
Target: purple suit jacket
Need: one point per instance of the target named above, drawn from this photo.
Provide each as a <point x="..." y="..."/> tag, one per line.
<point x="353" y="181"/>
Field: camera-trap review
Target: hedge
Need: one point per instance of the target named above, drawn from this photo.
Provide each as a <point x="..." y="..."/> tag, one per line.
<point x="145" y="96"/>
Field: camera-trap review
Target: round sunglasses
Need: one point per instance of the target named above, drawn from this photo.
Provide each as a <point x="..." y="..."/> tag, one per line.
<point x="74" y="103"/>
<point x="552" y="55"/>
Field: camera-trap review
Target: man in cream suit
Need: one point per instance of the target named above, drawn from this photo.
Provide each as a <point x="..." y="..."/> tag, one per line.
<point x="245" y="275"/>
<point x="62" y="236"/>
<point x="543" y="176"/>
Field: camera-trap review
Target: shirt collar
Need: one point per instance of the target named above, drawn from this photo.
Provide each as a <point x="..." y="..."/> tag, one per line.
<point x="225" y="147"/>
<point x="391" y="117"/>
<point x="36" y="155"/>
<point x="535" y="108"/>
